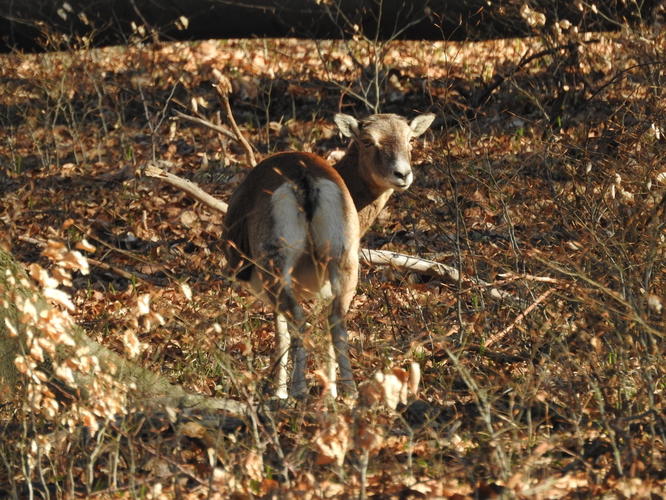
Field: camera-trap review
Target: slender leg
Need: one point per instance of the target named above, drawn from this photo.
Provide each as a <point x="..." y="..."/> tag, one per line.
<point x="293" y="315"/>
<point x="288" y="228"/>
<point x="344" y="276"/>
<point x="332" y="367"/>
<point x="281" y="355"/>
<point x="335" y="236"/>
<point x="299" y="386"/>
<point x="341" y="348"/>
<point x="289" y="317"/>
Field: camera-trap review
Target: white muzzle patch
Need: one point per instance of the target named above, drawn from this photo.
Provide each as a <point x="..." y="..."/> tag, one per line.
<point x="402" y="176"/>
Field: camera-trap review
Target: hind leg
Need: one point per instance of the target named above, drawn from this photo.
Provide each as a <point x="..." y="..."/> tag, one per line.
<point x="287" y="230"/>
<point x="335" y="234"/>
<point x="289" y="327"/>
<point x="288" y="308"/>
<point x="344" y="277"/>
<point x="281" y="358"/>
<point x="340" y="343"/>
<point x="299" y="354"/>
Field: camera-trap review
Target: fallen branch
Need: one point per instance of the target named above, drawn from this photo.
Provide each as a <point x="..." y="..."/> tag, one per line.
<point x="189" y="187"/>
<point x="408" y="262"/>
<point x="149" y="389"/>
<point x="412" y="263"/>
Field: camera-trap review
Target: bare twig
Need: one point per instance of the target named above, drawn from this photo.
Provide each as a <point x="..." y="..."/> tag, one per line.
<point x="620" y="74"/>
<point x="484" y="93"/>
<point x="511" y="277"/>
<point x="223" y="88"/>
<point x="630" y="310"/>
<point x="200" y="121"/>
<point x="500" y="335"/>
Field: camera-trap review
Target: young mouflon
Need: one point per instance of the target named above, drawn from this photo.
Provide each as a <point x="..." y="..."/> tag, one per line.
<point x="293" y="228"/>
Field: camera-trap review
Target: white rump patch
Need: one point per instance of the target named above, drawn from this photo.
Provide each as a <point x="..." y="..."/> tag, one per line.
<point x="329" y="226"/>
<point x="330" y="232"/>
<point x="290" y="228"/>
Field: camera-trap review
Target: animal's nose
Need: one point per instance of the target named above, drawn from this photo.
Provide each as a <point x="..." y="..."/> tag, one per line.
<point x="402" y="176"/>
<point x="402" y="172"/>
<point x="402" y="169"/>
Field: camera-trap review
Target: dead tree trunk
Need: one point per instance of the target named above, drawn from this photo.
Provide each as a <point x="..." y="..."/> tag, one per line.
<point x="16" y="289"/>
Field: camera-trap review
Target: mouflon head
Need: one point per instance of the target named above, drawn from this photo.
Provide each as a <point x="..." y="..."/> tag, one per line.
<point x="384" y="149"/>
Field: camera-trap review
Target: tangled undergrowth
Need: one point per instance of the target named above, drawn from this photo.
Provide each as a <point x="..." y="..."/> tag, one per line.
<point x="543" y="176"/>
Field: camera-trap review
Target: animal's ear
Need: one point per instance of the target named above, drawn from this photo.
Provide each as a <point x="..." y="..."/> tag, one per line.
<point x="421" y="123"/>
<point x="347" y="125"/>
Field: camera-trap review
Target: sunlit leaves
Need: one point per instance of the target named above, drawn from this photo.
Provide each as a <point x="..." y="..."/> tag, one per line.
<point x="332" y="441"/>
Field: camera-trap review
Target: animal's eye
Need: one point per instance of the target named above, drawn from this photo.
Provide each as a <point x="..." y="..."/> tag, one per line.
<point x="368" y="143"/>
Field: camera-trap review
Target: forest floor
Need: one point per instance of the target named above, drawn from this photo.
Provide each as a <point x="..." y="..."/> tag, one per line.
<point x="543" y="177"/>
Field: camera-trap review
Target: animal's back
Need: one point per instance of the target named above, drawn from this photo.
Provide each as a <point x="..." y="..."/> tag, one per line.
<point x="291" y="213"/>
